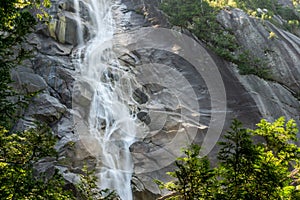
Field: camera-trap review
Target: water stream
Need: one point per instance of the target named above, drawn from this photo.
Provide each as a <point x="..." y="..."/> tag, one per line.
<point x="109" y="121"/>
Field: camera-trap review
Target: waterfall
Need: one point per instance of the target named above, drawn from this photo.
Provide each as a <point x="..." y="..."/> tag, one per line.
<point x="109" y="121"/>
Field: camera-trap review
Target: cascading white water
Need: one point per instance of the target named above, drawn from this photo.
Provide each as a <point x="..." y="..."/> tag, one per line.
<point x="109" y="120"/>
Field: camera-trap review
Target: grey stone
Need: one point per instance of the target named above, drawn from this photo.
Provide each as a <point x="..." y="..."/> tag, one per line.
<point x="288" y="3"/>
<point x="282" y="53"/>
<point x="272" y="99"/>
<point x="64" y="28"/>
<point x="45" y="168"/>
<point x="58" y="76"/>
<point x="46" y="108"/>
<point x="25" y="80"/>
<point x="50" y="47"/>
<point x="24" y="124"/>
<point x="83" y="93"/>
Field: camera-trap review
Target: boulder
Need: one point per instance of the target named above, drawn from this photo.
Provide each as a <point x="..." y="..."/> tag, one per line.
<point x="26" y="80"/>
<point x="46" y="108"/>
<point x="65" y="25"/>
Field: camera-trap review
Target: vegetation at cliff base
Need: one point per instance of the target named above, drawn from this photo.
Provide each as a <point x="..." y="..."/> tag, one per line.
<point x="19" y="153"/>
<point x="265" y="170"/>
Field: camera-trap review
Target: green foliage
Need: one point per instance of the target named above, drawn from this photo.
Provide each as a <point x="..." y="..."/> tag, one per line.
<point x="272" y="35"/>
<point x="266" y="170"/>
<point x="18" y="154"/>
<point x="291" y="17"/>
<point x="247" y="5"/>
<point x="21" y="152"/>
<point x="273" y="8"/>
<point x="287" y="13"/>
<point x="249" y="65"/>
<point x="195" y="179"/>
<point x="278" y="137"/>
<point x="259" y="171"/>
<point x="200" y="18"/>
<point x="15" y="23"/>
<point x="237" y="156"/>
<point x="88" y="188"/>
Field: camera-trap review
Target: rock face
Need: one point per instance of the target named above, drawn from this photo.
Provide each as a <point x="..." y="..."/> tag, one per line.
<point x="281" y="53"/>
<point x="249" y="98"/>
<point x="272" y="99"/>
<point x="165" y="112"/>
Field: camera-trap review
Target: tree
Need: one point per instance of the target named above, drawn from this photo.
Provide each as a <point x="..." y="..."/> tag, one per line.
<point x="265" y="170"/>
<point x="237" y="157"/>
<point x="19" y="153"/>
<point x="279" y="158"/>
<point x="16" y="21"/>
<point x="19" y="179"/>
<point x="194" y="178"/>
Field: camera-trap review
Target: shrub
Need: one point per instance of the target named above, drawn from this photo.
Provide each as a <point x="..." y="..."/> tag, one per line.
<point x="265" y="170"/>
